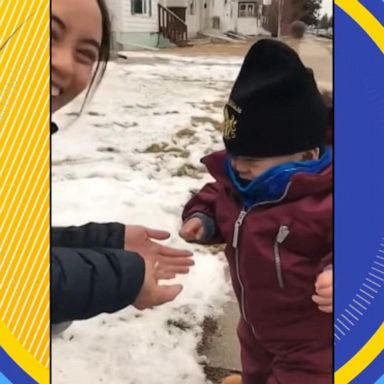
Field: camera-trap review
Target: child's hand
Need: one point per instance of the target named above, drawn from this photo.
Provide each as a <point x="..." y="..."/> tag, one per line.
<point x="324" y="291"/>
<point x="192" y="230"/>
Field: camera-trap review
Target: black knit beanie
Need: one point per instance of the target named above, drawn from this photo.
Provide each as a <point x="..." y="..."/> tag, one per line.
<point x="275" y="107"/>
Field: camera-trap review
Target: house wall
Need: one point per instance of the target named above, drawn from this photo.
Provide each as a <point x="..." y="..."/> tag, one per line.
<point x="219" y="9"/>
<point x="143" y="29"/>
<point x="138" y="40"/>
<point x="227" y="11"/>
<point x="176" y="3"/>
<point x="247" y="25"/>
<point x="204" y="11"/>
<point x="137" y="23"/>
<point x="193" y="23"/>
<point x="124" y="21"/>
<point x="130" y="30"/>
<point x="113" y="7"/>
<point x="193" y="19"/>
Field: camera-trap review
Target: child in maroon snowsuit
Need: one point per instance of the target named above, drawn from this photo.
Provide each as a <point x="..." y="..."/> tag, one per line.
<point x="271" y="203"/>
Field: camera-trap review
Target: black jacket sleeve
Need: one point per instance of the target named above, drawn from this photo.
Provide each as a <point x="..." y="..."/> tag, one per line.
<point x="87" y="282"/>
<point x="109" y="235"/>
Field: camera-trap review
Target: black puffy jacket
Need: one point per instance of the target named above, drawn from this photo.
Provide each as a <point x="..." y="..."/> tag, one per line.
<point x="90" y="271"/>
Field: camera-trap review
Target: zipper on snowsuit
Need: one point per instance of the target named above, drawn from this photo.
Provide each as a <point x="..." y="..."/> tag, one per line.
<point x="281" y="236"/>
<point x="236" y="233"/>
<point x="235" y="243"/>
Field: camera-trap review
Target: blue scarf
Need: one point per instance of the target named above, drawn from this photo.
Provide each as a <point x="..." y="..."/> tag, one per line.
<point x="272" y="184"/>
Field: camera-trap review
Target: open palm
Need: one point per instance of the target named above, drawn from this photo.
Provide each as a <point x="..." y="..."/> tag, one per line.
<point x="169" y="261"/>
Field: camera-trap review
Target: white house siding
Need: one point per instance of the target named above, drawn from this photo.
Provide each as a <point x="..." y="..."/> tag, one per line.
<point x="226" y="12"/>
<point x="193" y="18"/>
<point x="113" y="6"/>
<point x="193" y="23"/>
<point x="205" y="12"/>
<point x="247" y="25"/>
<point x="176" y="3"/>
<point x="133" y="31"/>
<point x="124" y="21"/>
<point x="138" y="23"/>
<point x="136" y="30"/>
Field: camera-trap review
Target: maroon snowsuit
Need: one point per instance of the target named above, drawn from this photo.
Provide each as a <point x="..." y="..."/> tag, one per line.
<point x="275" y="252"/>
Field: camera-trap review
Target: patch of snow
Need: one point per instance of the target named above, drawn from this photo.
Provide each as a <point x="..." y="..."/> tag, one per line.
<point x="104" y="169"/>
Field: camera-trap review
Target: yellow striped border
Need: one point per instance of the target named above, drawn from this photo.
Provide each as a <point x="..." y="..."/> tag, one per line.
<point x="365" y="356"/>
<point x="20" y="355"/>
<point x="24" y="217"/>
<point x="374" y="346"/>
<point x="364" y="19"/>
<point x="25" y="199"/>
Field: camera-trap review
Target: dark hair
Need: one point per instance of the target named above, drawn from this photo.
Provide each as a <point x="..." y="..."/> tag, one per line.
<point x="298" y="28"/>
<point x="104" y="52"/>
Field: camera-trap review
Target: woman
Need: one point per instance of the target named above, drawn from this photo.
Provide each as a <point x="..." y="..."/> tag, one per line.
<point x="100" y="267"/>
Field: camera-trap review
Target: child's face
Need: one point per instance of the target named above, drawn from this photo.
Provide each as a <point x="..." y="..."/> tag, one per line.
<point x="76" y="38"/>
<point x="248" y="168"/>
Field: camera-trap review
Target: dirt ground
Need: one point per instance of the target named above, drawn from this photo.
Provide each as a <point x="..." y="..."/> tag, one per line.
<point x="204" y="47"/>
<point x="212" y="49"/>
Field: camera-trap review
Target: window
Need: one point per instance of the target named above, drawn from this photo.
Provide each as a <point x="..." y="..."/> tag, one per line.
<point x="141" y="7"/>
<point x="247" y="9"/>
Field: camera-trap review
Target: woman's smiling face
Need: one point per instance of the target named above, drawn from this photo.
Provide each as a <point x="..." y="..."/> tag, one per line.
<point x="76" y="40"/>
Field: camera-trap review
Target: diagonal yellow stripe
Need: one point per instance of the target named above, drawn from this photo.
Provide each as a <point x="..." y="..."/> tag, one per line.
<point x="18" y="226"/>
<point x="25" y="218"/>
<point x="362" y="359"/>
<point x="374" y="346"/>
<point x="364" y="19"/>
<point x="23" y="358"/>
<point x="35" y="44"/>
<point x="32" y="271"/>
<point x="24" y="154"/>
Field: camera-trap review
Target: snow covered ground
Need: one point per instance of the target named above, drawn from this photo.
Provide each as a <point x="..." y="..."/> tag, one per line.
<point x="133" y="157"/>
